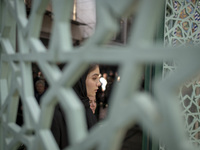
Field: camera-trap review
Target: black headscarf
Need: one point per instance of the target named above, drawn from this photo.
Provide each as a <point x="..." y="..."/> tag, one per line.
<point x="81" y="91"/>
<point x="58" y="126"/>
<point x="80" y="86"/>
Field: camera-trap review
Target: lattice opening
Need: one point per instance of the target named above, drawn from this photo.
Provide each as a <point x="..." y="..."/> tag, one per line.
<point x="20" y="118"/>
<point x="133" y="135"/>
<point x="40" y="84"/>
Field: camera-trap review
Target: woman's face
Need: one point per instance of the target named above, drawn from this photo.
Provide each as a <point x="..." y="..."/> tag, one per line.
<point x="92" y="82"/>
<point x="93" y="103"/>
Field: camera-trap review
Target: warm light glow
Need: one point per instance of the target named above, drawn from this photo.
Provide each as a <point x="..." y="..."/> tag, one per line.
<point x="74" y="10"/>
<point x="118" y="78"/>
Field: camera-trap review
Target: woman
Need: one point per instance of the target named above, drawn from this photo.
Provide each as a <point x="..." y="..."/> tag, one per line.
<point x="85" y="87"/>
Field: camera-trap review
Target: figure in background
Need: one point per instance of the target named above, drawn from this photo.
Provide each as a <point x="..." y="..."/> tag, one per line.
<point x="35" y="71"/>
<point x="103" y="81"/>
<point x="42" y="77"/>
<point x="85" y="87"/>
<point x="106" y="95"/>
<point x="40" y="89"/>
<point x="93" y="103"/>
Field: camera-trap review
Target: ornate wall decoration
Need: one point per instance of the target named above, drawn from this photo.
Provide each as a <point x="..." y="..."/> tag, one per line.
<point x="182" y="27"/>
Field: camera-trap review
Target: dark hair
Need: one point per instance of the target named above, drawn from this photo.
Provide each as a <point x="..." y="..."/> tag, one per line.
<point x="91" y="68"/>
<point x="80" y="86"/>
<point x="40" y="82"/>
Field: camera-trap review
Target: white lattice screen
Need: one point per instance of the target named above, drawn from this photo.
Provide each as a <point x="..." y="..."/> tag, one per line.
<point x="162" y="117"/>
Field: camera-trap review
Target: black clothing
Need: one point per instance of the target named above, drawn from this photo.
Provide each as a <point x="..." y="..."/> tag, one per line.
<point x="90" y="117"/>
<point x="133" y="139"/>
<point x="59" y="125"/>
<point x="38" y="97"/>
<point x="80" y="89"/>
<point x="59" y="128"/>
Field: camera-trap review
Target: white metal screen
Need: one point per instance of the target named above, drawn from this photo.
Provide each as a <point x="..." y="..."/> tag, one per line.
<point x="160" y="116"/>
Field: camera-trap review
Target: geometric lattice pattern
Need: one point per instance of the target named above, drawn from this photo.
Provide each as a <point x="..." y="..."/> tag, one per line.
<point x="159" y="114"/>
<point x="182" y="27"/>
<point x="190" y="101"/>
<point x="182" y="22"/>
